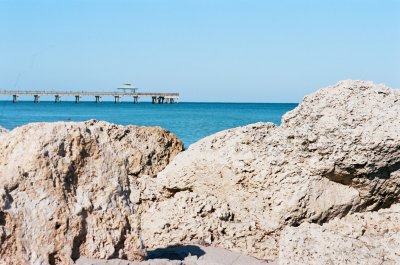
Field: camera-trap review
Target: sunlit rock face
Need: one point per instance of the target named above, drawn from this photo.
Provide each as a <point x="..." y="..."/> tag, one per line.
<point x="360" y="238"/>
<point x="337" y="153"/>
<point x="73" y="189"/>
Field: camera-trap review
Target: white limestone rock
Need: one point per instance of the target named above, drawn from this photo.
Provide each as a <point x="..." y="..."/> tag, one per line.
<point x="73" y="189"/>
<point x="3" y="130"/>
<point x="338" y="152"/>
<point x="363" y="238"/>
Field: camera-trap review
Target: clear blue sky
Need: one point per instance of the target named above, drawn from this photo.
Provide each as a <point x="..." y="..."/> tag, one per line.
<point x="209" y="50"/>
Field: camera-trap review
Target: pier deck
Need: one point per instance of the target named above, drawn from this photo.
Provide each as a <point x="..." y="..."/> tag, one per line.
<point x="156" y="97"/>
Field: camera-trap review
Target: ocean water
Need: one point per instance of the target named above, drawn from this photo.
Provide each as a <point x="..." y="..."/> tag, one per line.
<point x="189" y="121"/>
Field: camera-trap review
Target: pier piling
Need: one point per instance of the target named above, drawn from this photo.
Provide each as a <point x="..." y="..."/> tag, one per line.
<point x="156" y="97"/>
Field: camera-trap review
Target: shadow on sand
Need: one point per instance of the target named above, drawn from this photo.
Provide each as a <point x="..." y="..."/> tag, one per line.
<point x="175" y="253"/>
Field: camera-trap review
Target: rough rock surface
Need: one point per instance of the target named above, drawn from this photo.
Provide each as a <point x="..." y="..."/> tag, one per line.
<point x="338" y="152"/>
<point x="3" y="130"/>
<point x="72" y="189"/>
<point x="363" y="238"/>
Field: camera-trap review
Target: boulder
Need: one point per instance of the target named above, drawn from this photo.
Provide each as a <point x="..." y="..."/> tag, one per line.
<point x="337" y="153"/>
<point x="362" y="238"/>
<point x="73" y="189"/>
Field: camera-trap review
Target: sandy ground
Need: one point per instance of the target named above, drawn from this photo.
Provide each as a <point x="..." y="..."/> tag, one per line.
<point x="185" y="255"/>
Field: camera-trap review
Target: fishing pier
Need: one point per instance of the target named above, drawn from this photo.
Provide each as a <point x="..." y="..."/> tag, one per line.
<point x="156" y="98"/>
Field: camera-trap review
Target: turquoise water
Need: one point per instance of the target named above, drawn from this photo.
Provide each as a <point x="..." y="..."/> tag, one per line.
<point x="189" y="121"/>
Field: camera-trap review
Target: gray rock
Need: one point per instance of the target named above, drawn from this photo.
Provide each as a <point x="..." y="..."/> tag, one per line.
<point x="185" y="255"/>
